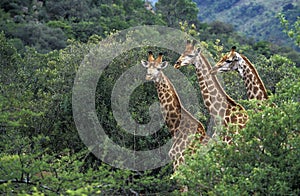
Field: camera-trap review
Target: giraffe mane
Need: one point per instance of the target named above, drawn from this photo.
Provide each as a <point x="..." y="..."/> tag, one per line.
<point x="255" y="73"/>
<point x="224" y="58"/>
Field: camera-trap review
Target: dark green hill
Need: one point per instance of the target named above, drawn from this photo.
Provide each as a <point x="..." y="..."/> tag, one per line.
<point x="256" y="18"/>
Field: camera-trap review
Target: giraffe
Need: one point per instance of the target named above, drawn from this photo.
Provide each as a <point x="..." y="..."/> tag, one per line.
<point x="253" y="83"/>
<point x="219" y="104"/>
<point x="182" y="125"/>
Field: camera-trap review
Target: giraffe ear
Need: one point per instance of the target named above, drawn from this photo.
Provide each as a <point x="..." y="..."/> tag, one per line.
<point x="145" y="63"/>
<point x="164" y="64"/>
<point x="198" y="50"/>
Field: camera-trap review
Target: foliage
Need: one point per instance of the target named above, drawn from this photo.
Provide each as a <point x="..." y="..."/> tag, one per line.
<point x="292" y="30"/>
<point x="255" y="19"/>
<point x="47" y="25"/>
<point x="39" y="173"/>
<point x="263" y="160"/>
<point x="41" y="149"/>
<point x="42" y="45"/>
<point x="177" y="11"/>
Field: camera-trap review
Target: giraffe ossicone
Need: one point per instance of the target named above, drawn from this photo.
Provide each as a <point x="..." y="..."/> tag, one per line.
<point x="181" y="124"/>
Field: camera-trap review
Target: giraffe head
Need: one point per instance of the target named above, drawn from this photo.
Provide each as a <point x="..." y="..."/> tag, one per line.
<point x="154" y="66"/>
<point x="188" y="56"/>
<point x="230" y="62"/>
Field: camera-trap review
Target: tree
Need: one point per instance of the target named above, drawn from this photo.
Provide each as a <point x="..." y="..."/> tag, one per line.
<point x="292" y="30"/>
<point x="175" y="11"/>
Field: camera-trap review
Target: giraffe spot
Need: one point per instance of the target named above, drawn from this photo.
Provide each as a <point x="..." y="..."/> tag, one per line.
<point x="250" y="86"/>
<point x="207" y="103"/>
<point x="247" y="81"/>
<point x="181" y="159"/>
<point x="185" y="137"/>
<point x="260" y="95"/>
<point x="173" y="115"/>
<point x="209" y="83"/>
<point x="171" y="107"/>
<point x="175" y="103"/>
<point x="217" y="105"/>
<point x="214" y="111"/>
<point x="227" y="119"/>
<point x="224" y="104"/>
<point x="255" y="89"/>
<point x="182" y="145"/>
<point x="222" y="111"/>
<point x="202" y="83"/>
<point x="205" y="96"/>
<point x="219" y="97"/>
<point x="201" y="137"/>
<point x="214" y="92"/>
<point x="210" y="88"/>
<point x="182" y="125"/>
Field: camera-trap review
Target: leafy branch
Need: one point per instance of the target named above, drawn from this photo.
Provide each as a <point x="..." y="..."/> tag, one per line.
<point x="292" y="30"/>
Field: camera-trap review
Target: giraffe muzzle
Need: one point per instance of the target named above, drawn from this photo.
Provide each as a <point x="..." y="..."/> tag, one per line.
<point x="148" y="77"/>
<point x="177" y="65"/>
<point x="214" y="70"/>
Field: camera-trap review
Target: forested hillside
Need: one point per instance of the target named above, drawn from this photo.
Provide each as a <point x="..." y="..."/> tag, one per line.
<point x="43" y="44"/>
<point x="257" y="19"/>
<point x="46" y="25"/>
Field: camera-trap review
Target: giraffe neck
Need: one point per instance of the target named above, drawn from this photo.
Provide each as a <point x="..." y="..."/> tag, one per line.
<point x="180" y="122"/>
<point x="253" y="83"/>
<point x="214" y="97"/>
<point x="172" y="109"/>
<point x="169" y="102"/>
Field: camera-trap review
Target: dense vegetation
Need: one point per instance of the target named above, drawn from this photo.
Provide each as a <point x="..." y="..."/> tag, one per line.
<point x="257" y="19"/>
<point x="42" y="45"/>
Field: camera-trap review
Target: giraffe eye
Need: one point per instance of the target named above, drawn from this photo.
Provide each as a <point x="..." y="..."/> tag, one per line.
<point x="235" y="58"/>
<point x="228" y="61"/>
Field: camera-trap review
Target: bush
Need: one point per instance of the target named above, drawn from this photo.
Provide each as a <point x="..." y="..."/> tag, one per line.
<point x="263" y="160"/>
